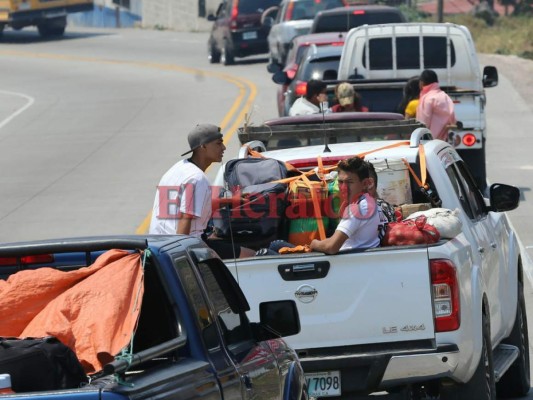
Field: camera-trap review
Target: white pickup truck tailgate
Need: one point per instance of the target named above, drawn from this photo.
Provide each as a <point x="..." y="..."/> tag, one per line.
<point x="348" y="299"/>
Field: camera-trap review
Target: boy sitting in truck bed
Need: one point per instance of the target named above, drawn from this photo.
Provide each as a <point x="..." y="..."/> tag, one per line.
<point x="362" y="224"/>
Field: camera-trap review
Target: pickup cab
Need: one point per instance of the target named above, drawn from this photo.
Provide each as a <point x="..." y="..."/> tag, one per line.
<point x="379" y="60"/>
<point x="193" y="339"/>
<point x="436" y="319"/>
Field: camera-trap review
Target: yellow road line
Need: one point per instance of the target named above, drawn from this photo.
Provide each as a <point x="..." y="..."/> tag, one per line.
<point x="244" y="86"/>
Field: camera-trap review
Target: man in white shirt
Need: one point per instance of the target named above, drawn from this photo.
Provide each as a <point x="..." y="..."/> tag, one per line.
<point x="361" y="220"/>
<point x="183" y="203"/>
<point x="310" y="103"/>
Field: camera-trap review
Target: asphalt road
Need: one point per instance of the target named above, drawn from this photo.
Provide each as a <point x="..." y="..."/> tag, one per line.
<point x="89" y="123"/>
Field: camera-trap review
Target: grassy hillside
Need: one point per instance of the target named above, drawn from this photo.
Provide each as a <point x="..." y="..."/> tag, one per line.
<point x="507" y="35"/>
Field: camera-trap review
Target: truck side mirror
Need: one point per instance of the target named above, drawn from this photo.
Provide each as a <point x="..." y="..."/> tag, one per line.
<point x="490" y="76"/>
<point x="273" y="68"/>
<point x="211" y="18"/>
<point x="503" y="197"/>
<point x="281" y="78"/>
<point x="280" y="316"/>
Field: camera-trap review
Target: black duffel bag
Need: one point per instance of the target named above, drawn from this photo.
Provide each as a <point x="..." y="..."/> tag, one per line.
<point x="259" y="214"/>
<point x="37" y="364"/>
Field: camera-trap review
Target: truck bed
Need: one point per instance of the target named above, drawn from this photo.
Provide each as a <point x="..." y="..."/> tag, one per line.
<point x="376" y="286"/>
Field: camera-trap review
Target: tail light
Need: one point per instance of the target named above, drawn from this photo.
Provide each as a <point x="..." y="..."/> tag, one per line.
<point x="288" y="13"/>
<point x="234" y="14"/>
<point x="27" y="260"/>
<point x="291" y="72"/>
<point x="359" y="12"/>
<point x="445" y="296"/>
<point x="469" y="139"/>
<point x="300" y="88"/>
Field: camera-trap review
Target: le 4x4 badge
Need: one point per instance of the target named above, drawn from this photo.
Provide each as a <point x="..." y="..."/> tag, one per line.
<point x="405" y="328"/>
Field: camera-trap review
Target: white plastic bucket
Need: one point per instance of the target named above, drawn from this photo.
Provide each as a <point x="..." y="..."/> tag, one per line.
<point x="5" y="384"/>
<point x="394" y="185"/>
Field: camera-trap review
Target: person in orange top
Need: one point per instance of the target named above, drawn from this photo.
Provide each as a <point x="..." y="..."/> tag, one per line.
<point x="411" y="93"/>
<point x="435" y="108"/>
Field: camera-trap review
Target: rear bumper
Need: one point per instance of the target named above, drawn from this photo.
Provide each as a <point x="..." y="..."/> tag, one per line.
<point x="243" y="48"/>
<point x="366" y="372"/>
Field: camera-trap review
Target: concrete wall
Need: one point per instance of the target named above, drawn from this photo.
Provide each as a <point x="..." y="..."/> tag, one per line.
<point x="179" y="15"/>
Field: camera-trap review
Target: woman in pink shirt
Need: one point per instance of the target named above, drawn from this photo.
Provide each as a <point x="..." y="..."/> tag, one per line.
<point x="435" y="108"/>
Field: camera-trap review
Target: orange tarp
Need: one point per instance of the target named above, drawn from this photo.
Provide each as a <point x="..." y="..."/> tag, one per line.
<point x="92" y="310"/>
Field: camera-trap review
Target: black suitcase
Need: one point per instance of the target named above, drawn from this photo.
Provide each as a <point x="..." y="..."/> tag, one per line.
<point x="37" y="364"/>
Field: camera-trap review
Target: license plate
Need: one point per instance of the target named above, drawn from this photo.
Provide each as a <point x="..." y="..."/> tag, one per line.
<point x="249" y="35"/>
<point x="323" y="384"/>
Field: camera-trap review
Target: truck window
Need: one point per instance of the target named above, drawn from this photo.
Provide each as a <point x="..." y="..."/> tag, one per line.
<point x="158" y="321"/>
<point x="345" y="22"/>
<point x="465" y="189"/>
<point x="408" y="53"/>
<point x="474" y="196"/>
<point x="233" y="323"/>
<point x="315" y="68"/>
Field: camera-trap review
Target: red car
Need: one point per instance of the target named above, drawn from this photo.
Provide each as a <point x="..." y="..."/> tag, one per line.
<point x="294" y="57"/>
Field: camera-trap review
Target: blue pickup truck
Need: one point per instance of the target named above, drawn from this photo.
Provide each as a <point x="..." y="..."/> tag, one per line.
<point x="192" y="339"/>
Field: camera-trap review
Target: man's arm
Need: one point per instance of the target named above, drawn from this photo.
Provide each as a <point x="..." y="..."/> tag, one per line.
<point x="184" y="224"/>
<point x="330" y="245"/>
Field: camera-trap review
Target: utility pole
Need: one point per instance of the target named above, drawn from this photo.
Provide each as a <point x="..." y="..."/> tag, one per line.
<point x="440" y="11"/>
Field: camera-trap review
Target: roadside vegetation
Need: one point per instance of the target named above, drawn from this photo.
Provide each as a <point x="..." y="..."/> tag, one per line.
<point x="507" y="35"/>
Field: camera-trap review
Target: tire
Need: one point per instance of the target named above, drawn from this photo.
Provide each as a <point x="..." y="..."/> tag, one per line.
<point x="53" y="27"/>
<point x="516" y="381"/>
<point x="213" y="54"/>
<point x="482" y="385"/>
<point x="227" y="58"/>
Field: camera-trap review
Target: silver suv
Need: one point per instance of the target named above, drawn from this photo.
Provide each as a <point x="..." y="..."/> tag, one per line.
<point x="292" y="18"/>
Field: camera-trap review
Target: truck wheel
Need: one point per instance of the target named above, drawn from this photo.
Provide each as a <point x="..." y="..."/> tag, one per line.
<point x="228" y="58"/>
<point x="213" y="54"/>
<point x="482" y="385"/>
<point x="516" y="381"/>
<point x="52" y="27"/>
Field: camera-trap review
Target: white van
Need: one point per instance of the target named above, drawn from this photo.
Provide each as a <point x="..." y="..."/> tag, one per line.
<point x="379" y="59"/>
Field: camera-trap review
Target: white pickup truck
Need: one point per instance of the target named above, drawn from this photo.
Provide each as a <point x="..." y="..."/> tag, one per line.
<point x="379" y="59"/>
<point x="444" y="319"/>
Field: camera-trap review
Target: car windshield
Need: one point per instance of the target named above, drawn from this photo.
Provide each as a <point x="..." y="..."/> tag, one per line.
<point x="343" y="23"/>
<point x="307" y="9"/>
<point x="255" y="6"/>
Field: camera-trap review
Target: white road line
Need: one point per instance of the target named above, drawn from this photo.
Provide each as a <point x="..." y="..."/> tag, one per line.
<point x="30" y="100"/>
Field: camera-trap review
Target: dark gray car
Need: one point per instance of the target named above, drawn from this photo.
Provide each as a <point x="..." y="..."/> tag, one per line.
<point x="318" y="62"/>
<point x="238" y="30"/>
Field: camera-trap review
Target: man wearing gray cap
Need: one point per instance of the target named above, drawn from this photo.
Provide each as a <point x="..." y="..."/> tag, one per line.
<point x="182" y="202"/>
